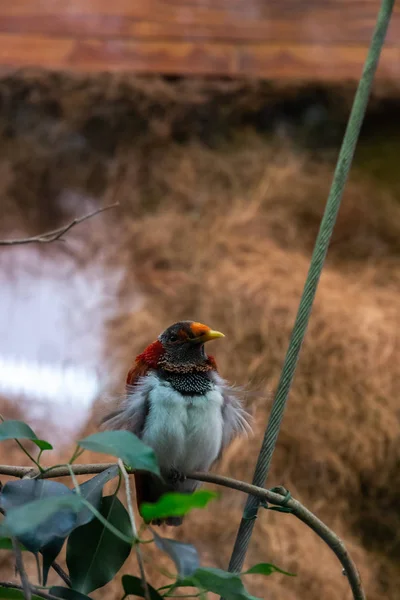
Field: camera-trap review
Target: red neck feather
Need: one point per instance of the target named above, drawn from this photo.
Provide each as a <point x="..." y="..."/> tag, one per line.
<point x="211" y="361"/>
<point x="152" y="354"/>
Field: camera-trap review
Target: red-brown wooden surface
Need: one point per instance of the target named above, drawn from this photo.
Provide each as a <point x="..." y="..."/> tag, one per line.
<point x="278" y="39"/>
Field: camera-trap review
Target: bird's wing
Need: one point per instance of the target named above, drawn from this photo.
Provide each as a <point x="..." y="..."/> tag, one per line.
<point x="134" y="408"/>
<point x="236" y="420"/>
<point x="131" y="415"/>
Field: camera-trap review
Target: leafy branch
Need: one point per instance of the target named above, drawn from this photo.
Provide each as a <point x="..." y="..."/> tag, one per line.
<point x="276" y="498"/>
<point x="41" y="514"/>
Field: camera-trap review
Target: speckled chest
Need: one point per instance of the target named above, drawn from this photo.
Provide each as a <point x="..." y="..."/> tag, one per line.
<point x="188" y="384"/>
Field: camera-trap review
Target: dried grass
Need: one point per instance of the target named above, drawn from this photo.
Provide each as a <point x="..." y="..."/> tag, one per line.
<point x="224" y="235"/>
<point x="228" y="242"/>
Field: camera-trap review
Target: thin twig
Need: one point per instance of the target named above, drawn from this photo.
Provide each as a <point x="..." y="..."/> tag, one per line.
<point x="61" y="573"/>
<point x="134" y="529"/>
<point x="28" y="454"/>
<point x="35" y="590"/>
<point x="56" y="234"/>
<point x="300" y="511"/>
<point x="19" y="563"/>
<point x="74" y="479"/>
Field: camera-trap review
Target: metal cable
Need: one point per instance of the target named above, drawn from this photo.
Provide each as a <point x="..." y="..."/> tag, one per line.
<point x="317" y="262"/>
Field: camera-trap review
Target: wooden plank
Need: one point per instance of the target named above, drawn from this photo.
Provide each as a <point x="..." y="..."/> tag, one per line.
<point x="153" y="57"/>
<point x="322" y="63"/>
<point x="310" y="39"/>
<point x="138" y="8"/>
<point x="324" y="27"/>
<point x="169" y="10"/>
<point x="21" y="50"/>
<point x="274" y="61"/>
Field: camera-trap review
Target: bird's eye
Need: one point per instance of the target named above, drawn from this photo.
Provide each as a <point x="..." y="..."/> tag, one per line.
<point x="173" y="337"/>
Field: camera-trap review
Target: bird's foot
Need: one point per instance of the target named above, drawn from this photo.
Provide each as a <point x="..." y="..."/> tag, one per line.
<point x="175" y="476"/>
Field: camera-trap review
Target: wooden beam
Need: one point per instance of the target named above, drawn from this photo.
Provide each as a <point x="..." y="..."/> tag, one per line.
<point x="326" y="27"/>
<point x="270" y="61"/>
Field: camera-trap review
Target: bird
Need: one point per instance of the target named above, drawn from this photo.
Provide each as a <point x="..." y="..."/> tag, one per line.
<point x="177" y="403"/>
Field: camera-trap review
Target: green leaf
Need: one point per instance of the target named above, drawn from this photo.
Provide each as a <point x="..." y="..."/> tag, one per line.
<point x="25" y="519"/>
<point x="42" y="444"/>
<point x="124" y="445"/>
<point x="266" y="569"/>
<point x="6" y="544"/>
<point x="47" y="537"/>
<point x="227" y="585"/>
<point x="133" y="587"/>
<point x="94" y="553"/>
<point x="184" y="556"/>
<point x="67" y="593"/>
<point x="11" y="430"/>
<point x="15" y="594"/>
<point x="92" y="490"/>
<point x="175" y="504"/>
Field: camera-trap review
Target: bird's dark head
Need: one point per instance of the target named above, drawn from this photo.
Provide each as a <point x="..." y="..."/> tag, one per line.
<point x="183" y="345"/>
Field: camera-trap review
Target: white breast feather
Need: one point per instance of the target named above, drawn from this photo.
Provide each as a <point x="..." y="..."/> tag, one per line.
<point x="184" y="431"/>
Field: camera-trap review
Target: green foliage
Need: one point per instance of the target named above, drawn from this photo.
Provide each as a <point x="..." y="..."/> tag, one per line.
<point x="18" y="430"/>
<point x="50" y="533"/>
<point x="49" y="536"/>
<point x="92" y="491"/>
<point x="174" y="504"/>
<point x="38" y="511"/>
<point x="124" y="445"/>
<point x="6" y="544"/>
<point x="43" y="514"/>
<point x="133" y="586"/>
<point x="184" y="556"/>
<point x="266" y="569"/>
<point x="228" y="585"/>
<point x="94" y="553"/>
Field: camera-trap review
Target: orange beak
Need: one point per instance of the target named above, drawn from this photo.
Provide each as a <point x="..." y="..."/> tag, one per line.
<point x="204" y="334"/>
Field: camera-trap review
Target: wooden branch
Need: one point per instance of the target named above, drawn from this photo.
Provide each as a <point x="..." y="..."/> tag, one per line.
<point x="56" y="234"/>
<point x="36" y="591"/>
<point x="272" y="497"/>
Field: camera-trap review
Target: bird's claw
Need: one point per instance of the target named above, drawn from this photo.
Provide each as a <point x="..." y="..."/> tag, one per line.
<point x="176" y="476"/>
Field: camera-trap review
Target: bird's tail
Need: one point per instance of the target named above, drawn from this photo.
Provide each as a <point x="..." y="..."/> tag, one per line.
<point x="150" y="489"/>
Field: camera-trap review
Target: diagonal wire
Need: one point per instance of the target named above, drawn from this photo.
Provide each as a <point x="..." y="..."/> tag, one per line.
<point x="317" y="262"/>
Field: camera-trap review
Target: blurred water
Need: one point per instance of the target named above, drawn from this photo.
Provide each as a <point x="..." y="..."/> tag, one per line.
<point x="52" y="328"/>
<point x="56" y="395"/>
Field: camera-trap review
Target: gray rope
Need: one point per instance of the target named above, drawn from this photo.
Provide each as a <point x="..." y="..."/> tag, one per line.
<point x="317" y="262"/>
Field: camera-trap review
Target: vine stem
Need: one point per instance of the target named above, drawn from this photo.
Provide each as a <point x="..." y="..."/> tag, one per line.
<point x="28" y="454"/>
<point x="273" y="497"/>
<point x="134" y="529"/>
<point x="19" y="563"/>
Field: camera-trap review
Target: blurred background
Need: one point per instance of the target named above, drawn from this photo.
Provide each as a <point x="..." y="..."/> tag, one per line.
<point x="216" y="126"/>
